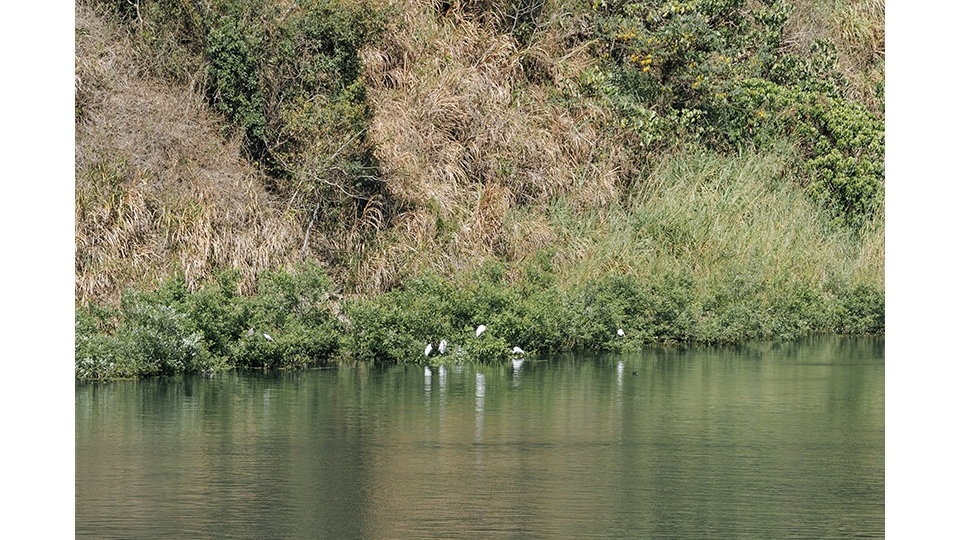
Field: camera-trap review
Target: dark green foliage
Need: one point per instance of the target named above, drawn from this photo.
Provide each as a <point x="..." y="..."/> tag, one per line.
<point x="215" y="312"/>
<point x="399" y="324"/>
<point x="147" y="336"/>
<point x="234" y="48"/>
<point x="715" y="72"/>
<point x="602" y="308"/>
<point x="292" y="79"/>
<point x="859" y="310"/>
<point x="293" y="308"/>
<point x="842" y="145"/>
<point x="172" y="330"/>
<point x="97" y="354"/>
<point x="159" y="341"/>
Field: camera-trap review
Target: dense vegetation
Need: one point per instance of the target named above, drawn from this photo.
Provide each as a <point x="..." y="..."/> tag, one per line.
<point x="356" y="181"/>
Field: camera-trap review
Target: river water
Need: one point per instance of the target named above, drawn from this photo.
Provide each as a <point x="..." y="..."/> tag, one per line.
<point x="765" y="440"/>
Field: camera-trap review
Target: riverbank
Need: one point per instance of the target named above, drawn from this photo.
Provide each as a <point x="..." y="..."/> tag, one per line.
<point x="357" y="181"/>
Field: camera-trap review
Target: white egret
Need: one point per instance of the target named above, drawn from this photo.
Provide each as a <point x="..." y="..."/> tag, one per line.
<point x="266" y="335"/>
<point x="428" y="350"/>
<point x="480" y="329"/>
<point x="250" y="332"/>
<point x="517" y="350"/>
<point x="443" y="346"/>
<point x="620" y="332"/>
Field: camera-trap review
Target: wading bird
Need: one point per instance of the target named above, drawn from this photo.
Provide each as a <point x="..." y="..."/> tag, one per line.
<point x="480" y="329"/>
<point x="517" y="350"/>
<point x="266" y="335"/>
<point x="428" y="350"/>
<point x="443" y="346"/>
<point x="620" y="332"/>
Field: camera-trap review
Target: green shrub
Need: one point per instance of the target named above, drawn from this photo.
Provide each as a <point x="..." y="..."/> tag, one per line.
<point x="171" y="330"/>
<point x="97" y="355"/>
<point x="377" y="332"/>
<point x="398" y="325"/>
<point x="216" y="312"/>
<point x="235" y="50"/>
<point x="714" y="72"/>
<point x="601" y="308"/>
<point x="859" y="309"/>
<point x="292" y="307"/>
<point x="158" y="339"/>
<point x="488" y="347"/>
<point x="841" y="144"/>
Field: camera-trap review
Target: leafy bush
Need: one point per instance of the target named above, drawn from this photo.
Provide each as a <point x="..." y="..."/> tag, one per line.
<point x="171" y="330"/>
<point x="145" y="337"/>
<point x="714" y="72"/>
<point x="859" y="310"/>
<point x="292" y="307"/>
<point x="234" y="47"/>
<point x="841" y="143"/>
<point x="216" y="312"/>
<point x="97" y="355"/>
<point x="158" y="338"/>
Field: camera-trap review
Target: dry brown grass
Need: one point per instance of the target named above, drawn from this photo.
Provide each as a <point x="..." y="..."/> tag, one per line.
<point x="466" y="134"/>
<point x="158" y="188"/>
<point x="475" y="145"/>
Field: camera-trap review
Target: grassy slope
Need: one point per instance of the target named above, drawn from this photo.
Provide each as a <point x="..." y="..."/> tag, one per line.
<point x="159" y="189"/>
<point x="486" y="154"/>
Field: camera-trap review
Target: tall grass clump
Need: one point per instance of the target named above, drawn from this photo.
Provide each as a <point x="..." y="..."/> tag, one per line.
<point x="745" y="240"/>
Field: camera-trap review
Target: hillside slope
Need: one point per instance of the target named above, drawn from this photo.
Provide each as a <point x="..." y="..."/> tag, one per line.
<point x="357" y="180"/>
<point x="159" y="188"/>
<point x="478" y="128"/>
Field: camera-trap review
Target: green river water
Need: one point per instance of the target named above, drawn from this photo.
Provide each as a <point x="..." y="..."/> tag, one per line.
<point x="765" y="440"/>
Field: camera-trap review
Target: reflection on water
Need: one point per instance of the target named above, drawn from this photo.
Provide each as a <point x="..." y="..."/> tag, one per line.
<point x="759" y="441"/>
